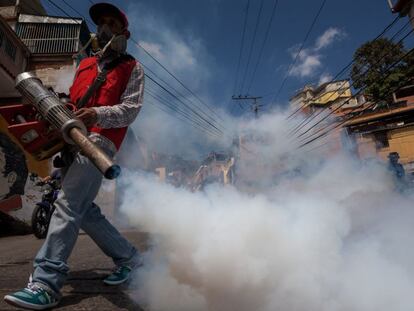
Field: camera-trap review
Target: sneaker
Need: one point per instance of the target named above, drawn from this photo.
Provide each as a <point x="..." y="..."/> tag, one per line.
<point x="118" y="276"/>
<point x="32" y="297"/>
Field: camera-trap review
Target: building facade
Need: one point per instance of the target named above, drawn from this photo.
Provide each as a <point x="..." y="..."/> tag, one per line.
<point x="30" y="41"/>
<point x="331" y="94"/>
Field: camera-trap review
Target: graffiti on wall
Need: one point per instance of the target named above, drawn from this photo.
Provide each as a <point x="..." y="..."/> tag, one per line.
<point x="13" y="174"/>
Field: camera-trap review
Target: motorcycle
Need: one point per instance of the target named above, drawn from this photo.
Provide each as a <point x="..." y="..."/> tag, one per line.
<point x="43" y="211"/>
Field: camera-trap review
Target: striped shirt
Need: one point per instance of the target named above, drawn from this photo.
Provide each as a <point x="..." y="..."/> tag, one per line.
<point x="124" y="113"/>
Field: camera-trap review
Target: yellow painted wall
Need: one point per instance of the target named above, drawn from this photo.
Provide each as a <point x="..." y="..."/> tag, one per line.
<point x="331" y="96"/>
<point x="401" y="141"/>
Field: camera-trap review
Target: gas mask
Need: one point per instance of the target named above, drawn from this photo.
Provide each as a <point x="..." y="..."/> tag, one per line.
<point x="106" y="39"/>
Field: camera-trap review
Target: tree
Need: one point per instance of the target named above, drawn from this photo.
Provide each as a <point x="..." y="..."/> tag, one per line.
<point x="371" y="69"/>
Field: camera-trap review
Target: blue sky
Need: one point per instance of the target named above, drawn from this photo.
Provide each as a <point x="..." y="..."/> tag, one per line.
<point x="199" y="41"/>
<point x="207" y="36"/>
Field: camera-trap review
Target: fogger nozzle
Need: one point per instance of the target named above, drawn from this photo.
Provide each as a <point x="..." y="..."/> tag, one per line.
<point x="60" y="117"/>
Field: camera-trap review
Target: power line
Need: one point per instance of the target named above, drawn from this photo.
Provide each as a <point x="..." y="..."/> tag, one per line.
<point x="320" y="112"/>
<point x="252" y="46"/>
<point x="185" y="115"/>
<point x="179" y="111"/>
<point x="388" y="27"/>
<point x="54" y="4"/>
<point x="175" y="115"/>
<point x="359" y="92"/>
<point x="73" y="9"/>
<point x="334" y="128"/>
<point x="292" y="64"/>
<point x="241" y="47"/>
<point x="313" y="115"/>
<point x="333" y="111"/>
<point x="190" y="108"/>
<point x="175" y="78"/>
<point x="186" y="112"/>
<point x="180" y="94"/>
<point x="269" y="25"/>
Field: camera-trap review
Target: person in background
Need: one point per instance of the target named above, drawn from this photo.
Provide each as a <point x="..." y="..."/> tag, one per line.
<point x="397" y="170"/>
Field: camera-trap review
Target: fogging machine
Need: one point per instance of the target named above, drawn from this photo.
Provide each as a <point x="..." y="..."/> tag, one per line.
<point x="44" y="126"/>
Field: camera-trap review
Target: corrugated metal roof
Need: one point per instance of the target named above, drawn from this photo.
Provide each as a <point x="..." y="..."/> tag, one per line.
<point x="26" y="18"/>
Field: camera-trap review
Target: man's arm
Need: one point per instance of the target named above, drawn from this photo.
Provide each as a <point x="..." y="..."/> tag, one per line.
<point x="130" y="104"/>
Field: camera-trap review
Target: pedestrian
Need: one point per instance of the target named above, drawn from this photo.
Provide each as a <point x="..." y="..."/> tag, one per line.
<point x="397" y="170"/>
<point x="107" y="115"/>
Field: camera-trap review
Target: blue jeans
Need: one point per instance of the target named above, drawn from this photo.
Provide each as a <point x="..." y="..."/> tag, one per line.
<point x="75" y="210"/>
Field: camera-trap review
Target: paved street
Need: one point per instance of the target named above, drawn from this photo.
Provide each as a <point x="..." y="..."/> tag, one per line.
<point x="84" y="290"/>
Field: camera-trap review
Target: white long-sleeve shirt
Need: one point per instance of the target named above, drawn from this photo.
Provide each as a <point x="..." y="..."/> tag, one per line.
<point x="124" y="113"/>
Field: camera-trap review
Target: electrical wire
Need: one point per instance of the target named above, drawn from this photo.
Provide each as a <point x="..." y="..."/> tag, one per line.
<point x="384" y="31"/>
<point x="236" y="81"/>
<point x="208" y="122"/>
<point x="399" y="87"/>
<point x="252" y="46"/>
<point x="179" y="109"/>
<point x="292" y="64"/>
<point x="313" y="115"/>
<point x="178" y="99"/>
<point x="180" y="114"/>
<point x="359" y="92"/>
<point x="269" y="25"/>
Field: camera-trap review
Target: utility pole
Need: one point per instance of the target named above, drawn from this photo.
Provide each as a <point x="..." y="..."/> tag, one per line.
<point x="255" y="106"/>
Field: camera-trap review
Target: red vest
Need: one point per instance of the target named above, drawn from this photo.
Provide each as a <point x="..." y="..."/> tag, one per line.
<point x="109" y="94"/>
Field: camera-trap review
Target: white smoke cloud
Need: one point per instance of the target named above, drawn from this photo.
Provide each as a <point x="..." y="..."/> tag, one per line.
<point x="186" y="56"/>
<point x="318" y="234"/>
<point x="65" y="78"/>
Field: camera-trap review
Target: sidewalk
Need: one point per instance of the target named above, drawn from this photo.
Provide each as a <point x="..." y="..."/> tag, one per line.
<point x="84" y="289"/>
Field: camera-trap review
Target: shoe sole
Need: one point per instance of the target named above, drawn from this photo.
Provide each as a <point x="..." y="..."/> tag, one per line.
<point x="115" y="282"/>
<point x="23" y="304"/>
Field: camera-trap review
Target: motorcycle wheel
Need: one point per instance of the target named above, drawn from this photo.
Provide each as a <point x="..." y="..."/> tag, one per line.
<point x="40" y="221"/>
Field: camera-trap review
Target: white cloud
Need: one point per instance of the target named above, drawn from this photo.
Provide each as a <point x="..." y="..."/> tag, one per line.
<point x="310" y="60"/>
<point x="184" y="54"/>
<point x="307" y="65"/>
<point x="325" y="77"/>
<point x="154" y="49"/>
<point x="328" y="37"/>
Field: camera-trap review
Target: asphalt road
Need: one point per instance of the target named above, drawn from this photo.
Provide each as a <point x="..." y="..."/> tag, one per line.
<point x="84" y="289"/>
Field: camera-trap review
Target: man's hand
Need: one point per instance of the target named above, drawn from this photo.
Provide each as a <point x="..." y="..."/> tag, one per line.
<point x="87" y="115"/>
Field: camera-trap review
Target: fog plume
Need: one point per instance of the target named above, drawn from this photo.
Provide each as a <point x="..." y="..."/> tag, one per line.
<point x="308" y="232"/>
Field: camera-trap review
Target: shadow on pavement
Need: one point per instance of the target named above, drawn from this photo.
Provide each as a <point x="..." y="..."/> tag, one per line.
<point x="10" y="226"/>
<point x="88" y="284"/>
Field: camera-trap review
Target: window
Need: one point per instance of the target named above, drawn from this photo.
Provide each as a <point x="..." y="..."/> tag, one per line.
<point x="10" y="49"/>
<point x="381" y="140"/>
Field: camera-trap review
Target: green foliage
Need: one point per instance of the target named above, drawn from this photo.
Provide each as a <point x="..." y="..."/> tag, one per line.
<point x="370" y="68"/>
